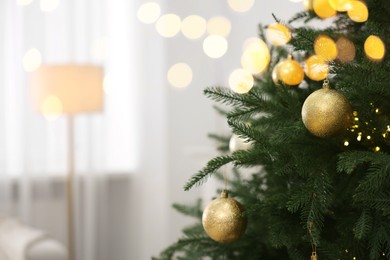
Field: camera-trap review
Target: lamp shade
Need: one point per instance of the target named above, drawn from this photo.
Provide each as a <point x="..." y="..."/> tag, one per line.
<point x="78" y="88"/>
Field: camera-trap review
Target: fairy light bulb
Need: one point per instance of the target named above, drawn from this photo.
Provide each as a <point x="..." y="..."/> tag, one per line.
<point x="256" y="57"/>
<point x="346" y="143"/>
<point x="316" y="68"/>
<point x="323" y="9"/>
<point x="374" y="48"/>
<point x="340" y="5"/>
<point x="346" y="50"/>
<point x="325" y="47"/>
<point x="278" y="34"/>
<point x="358" y="11"/>
<point x="241" y="81"/>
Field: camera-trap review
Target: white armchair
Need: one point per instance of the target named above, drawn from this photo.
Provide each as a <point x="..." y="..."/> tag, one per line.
<point x="20" y="242"/>
<point x="46" y="249"/>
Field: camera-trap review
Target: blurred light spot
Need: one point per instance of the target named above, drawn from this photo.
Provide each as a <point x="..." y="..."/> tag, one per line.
<point x="219" y="25"/>
<point x="358" y="11"/>
<point x="99" y="49"/>
<point x="316" y="68"/>
<point x="108" y="85"/>
<point x="215" y="46"/>
<point x="325" y="47"/>
<point x="241" y="5"/>
<point x="346" y="143"/>
<point x="168" y="25"/>
<point x="323" y="9"/>
<point x="24" y="2"/>
<point x="148" y="12"/>
<point x="180" y="75"/>
<point x="278" y="34"/>
<point x="346" y="50"/>
<point x="256" y="57"/>
<point x="193" y="26"/>
<point x="308" y="5"/>
<point x="248" y="42"/>
<point x="49" y="5"/>
<point x="52" y="107"/>
<point x="32" y="60"/>
<point x="374" y="48"/>
<point x="340" y="5"/>
<point x="241" y="81"/>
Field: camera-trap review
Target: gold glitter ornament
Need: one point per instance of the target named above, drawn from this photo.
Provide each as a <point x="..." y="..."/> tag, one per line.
<point x="326" y="112"/>
<point x="224" y="220"/>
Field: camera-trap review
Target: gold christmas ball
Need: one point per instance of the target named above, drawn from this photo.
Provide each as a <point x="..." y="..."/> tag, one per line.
<point x="223" y="219"/>
<point x="290" y="72"/>
<point x="275" y="74"/>
<point x="326" y="113"/>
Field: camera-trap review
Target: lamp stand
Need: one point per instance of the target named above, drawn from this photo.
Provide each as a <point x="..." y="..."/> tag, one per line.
<point x="70" y="188"/>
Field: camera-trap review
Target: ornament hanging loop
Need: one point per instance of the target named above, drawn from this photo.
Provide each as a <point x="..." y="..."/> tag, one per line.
<point x="314" y="256"/>
<point x="326" y="84"/>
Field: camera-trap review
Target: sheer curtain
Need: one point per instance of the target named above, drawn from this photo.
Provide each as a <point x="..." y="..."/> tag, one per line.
<point x="33" y="149"/>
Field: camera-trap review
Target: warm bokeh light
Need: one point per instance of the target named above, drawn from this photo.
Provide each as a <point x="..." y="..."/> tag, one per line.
<point x="358" y="11"/>
<point x="374" y="48"/>
<point x="241" y="81"/>
<point x="215" y="46"/>
<point x="49" y="5"/>
<point x="346" y="50"/>
<point x="316" y="68"/>
<point x="149" y="12"/>
<point x="323" y="9"/>
<point x="248" y="42"/>
<point x="32" y="60"/>
<point x="256" y="57"/>
<point x="219" y="25"/>
<point x="308" y="5"/>
<point x="241" y="5"/>
<point x="325" y="47"/>
<point x="52" y="107"/>
<point x="290" y="72"/>
<point x="340" y="5"/>
<point x="24" y="2"/>
<point x="179" y="75"/>
<point x="99" y="49"/>
<point x="193" y="26"/>
<point x="168" y="25"/>
<point x="278" y="34"/>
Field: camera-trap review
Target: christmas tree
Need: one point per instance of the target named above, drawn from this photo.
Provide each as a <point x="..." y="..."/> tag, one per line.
<point x="311" y="108"/>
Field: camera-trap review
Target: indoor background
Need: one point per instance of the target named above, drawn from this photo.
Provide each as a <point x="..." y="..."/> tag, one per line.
<point x="133" y="157"/>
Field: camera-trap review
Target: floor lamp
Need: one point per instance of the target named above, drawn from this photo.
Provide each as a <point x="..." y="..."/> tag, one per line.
<point x="77" y="89"/>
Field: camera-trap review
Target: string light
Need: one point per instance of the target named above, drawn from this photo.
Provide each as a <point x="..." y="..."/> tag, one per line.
<point x="346" y="143"/>
<point x="374" y="48"/>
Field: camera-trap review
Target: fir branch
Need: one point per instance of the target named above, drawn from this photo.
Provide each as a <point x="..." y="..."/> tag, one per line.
<point x="192" y="211"/>
<point x="207" y="171"/>
<point x="363" y="226"/>
<point x="228" y="97"/>
<point x="350" y="160"/>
